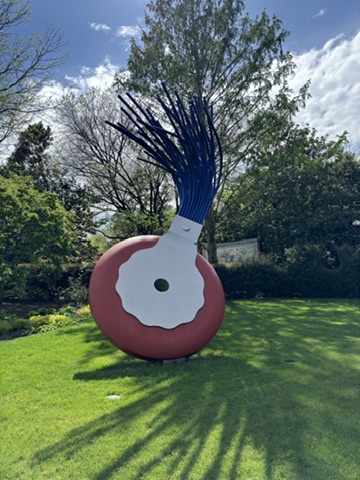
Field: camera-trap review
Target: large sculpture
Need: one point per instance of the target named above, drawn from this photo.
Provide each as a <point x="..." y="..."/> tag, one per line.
<point x="156" y="297"/>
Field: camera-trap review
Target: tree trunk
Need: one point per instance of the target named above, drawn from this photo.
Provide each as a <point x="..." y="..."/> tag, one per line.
<point x="211" y="242"/>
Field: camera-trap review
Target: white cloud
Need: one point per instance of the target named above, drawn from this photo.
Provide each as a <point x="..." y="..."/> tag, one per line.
<point x="124" y="31"/>
<point x="128" y="31"/>
<point x="319" y="14"/>
<point x="100" y="27"/>
<point x="101" y="76"/>
<point x="52" y="91"/>
<point x="335" y="87"/>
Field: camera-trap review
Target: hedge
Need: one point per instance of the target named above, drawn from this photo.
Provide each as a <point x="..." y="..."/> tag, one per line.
<point x="46" y="282"/>
<point x="306" y="273"/>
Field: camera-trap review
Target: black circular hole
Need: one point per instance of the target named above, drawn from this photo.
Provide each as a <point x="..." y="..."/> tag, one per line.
<point x="161" y="285"/>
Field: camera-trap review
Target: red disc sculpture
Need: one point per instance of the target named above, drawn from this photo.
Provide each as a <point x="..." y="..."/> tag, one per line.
<point x="155" y="297"/>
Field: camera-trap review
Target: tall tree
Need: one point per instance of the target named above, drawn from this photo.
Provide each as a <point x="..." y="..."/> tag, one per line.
<point x="25" y="64"/>
<point x="107" y="163"/>
<point x="30" y="157"/>
<point x="213" y="48"/>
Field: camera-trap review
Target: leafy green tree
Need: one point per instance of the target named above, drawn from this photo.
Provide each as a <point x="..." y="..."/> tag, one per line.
<point x="99" y="243"/>
<point x="79" y="201"/>
<point x="130" y="224"/>
<point x="31" y="159"/>
<point x="212" y="48"/>
<point x="34" y="227"/>
<point x="305" y="190"/>
<point x="26" y="65"/>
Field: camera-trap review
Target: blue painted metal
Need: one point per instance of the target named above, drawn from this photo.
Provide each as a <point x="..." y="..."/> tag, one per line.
<point x="190" y="152"/>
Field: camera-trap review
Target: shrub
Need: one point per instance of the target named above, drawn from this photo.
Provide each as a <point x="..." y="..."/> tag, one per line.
<point x="74" y="283"/>
<point x="76" y="292"/>
<point x="83" y="314"/>
<point x="12" y="282"/>
<point x="254" y="279"/>
<point x="41" y="323"/>
<point x="5" y="327"/>
<point x="11" y="324"/>
<point x="22" y="325"/>
<point x="348" y="278"/>
<point x="38" y="321"/>
<point x="41" y="311"/>
<point x="68" y="310"/>
<point x="305" y="265"/>
<point x="309" y="271"/>
<point x="43" y="282"/>
<point x="43" y="320"/>
<point x="318" y="271"/>
<point x="65" y="316"/>
<point x="60" y="319"/>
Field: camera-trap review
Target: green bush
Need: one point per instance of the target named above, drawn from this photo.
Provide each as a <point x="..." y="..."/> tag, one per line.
<point x="38" y="321"/>
<point x="42" y="323"/>
<point x="256" y="279"/>
<point x="309" y="271"/>
<point x="42" y="311"/>
<point x="83" y="314"/>
<point x="44" y="282"/>
<point x="348" y="278"/>
<point x="316" y="274"/>
<point x="74" y="283"/>
<point x="68" y="310"/>
<point x="60" y="319"/>
<point x="22" y="325"/>
<point x="65" y="316"/>
<point x="43" y="320"/>
<point x="305" y="266"/>
<point x="12" y="324"/>
<point x="12" y="281"/>
<point x="5" y="327"/>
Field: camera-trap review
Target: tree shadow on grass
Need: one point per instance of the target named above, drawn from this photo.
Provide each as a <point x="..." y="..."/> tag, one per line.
<point x="257" y="386"/>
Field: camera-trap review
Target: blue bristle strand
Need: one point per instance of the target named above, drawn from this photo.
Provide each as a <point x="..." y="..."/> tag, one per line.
<point x="193" y="166"/>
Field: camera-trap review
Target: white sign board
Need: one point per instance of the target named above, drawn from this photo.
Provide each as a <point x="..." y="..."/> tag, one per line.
<point x="237" y="252"/>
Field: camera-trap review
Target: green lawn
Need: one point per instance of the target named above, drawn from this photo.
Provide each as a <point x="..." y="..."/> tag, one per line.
<point x="276" y="395"/>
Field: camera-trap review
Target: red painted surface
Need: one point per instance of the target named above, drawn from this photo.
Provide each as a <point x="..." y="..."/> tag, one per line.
<point x="128" y="333"/>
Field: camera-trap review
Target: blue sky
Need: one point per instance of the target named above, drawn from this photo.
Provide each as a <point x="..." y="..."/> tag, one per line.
<point x="325" y="41"/>
<point x="93" y="27"/>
